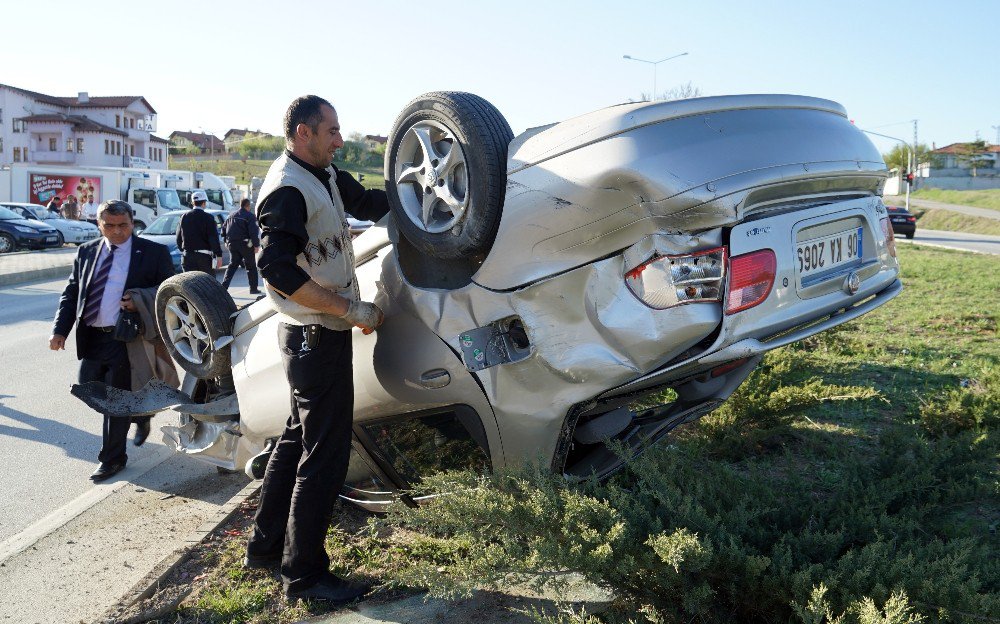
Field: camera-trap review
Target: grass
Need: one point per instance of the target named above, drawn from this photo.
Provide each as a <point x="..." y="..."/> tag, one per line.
<point x="951" y="221"/>
<point x="853" y="476"/>
<point x="980" y="199"/>
<point x="243" y="171"/>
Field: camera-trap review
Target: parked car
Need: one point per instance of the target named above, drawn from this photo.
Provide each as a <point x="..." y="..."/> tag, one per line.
<point x="903" y="222"/>
<point x="17" y="232"/>
<point x="69" y="230"/>
<point x="164" y="231"/>
<point x="582" y="288"/>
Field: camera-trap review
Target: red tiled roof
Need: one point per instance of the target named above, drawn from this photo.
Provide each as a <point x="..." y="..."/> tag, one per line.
<point x="956" y="148"/>
<point x="155" y="139"/>
<point x="377" y="138"/>
<point x="112" y="101"/>
<point x="200" y="139"/>
<point x="80" y="123"/>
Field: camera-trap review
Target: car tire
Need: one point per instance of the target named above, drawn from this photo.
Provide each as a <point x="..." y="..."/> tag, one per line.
<point x="446" y="172"/>
<point x="7" y="243"/>
<point x="60" y="240"/>
<point x="910" y="235"/>
<point x="193" y="311"/>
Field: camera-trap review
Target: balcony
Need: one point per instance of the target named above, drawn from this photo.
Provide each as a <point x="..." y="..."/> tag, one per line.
<point x="52" y="158"/>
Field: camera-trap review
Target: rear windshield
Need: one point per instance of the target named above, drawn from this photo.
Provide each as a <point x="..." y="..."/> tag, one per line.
<point x="166" y="224"/>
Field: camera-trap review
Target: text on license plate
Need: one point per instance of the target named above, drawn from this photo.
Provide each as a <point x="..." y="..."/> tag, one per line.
<point x="821" y="254"/>
<point x="50" y="239"/>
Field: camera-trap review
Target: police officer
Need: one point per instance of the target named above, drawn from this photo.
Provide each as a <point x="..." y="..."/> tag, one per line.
<point x="242" y="237"/>
<point x="197" y="236"/>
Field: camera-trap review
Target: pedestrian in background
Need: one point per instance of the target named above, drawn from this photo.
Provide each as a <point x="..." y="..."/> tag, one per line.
<point x="242" y="237"/>
<point x="93" y="298"/>
<point x="55" y="205"/>
<point x="198" y="236"/>
<point x="70" y="209"/>
<point x="88" y="211"/>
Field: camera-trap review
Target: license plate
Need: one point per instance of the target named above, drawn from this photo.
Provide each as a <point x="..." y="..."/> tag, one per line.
<point x="50" y="239"/>
<point x="822" y="254"/>
<point x="899" y="219"/>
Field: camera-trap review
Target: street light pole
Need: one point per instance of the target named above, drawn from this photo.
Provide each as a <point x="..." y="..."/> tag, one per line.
<point x="652" y="97"/>
<point x="909" y="155"/>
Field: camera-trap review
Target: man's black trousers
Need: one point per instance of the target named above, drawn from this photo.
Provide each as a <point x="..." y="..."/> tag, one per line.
<point x="106" y="360"/>
<point x="196" y="261"/>
<point x="309" y="464"/>
<point x="241" y="254"/>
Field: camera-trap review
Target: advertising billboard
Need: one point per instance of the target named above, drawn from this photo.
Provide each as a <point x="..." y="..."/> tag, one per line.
<point x="44" y="186"/>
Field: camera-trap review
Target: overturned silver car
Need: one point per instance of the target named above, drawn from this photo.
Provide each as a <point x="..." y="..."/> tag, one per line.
<point x="537" y="290"/>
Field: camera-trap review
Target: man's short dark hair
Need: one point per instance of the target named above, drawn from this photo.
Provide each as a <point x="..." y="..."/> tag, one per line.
<point x="114" y="207"/>
<point x="304" y="110"/>
<point x="244" y="202"/>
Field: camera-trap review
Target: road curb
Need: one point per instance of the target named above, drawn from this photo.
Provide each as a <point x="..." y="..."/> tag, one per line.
<point x="150" y="583"/>
<point x="10" y="279"/>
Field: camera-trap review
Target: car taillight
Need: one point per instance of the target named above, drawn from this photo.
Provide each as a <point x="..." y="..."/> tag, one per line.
<point x="890" y="239"/>
<point x="911" y="219"/>
<point x="751" y="277"/>
<point x="665" y="281"/>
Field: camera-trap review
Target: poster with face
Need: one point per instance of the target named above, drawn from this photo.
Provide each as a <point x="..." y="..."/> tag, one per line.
<point x="44" y="186"/>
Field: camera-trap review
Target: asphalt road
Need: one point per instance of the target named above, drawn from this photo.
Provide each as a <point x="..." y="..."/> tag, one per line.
<point x="980" y="243"/>
<point x="49" y="442"/>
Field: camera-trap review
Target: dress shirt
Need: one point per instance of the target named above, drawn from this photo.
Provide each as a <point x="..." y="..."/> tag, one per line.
<point x="90" y="211"/>
<point x="115" y="287"/>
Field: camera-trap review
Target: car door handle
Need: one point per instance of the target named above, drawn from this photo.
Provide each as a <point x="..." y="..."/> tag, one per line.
<point x="436" y="378"/>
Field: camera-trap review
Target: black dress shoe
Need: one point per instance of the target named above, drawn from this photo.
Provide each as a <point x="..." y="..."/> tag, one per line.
<point x="254" y="292"/>
<point x="106" y="471"/>
<point x="254" y="562"/>
<point x="333" y="589"/>
<point x="141" y="432"/>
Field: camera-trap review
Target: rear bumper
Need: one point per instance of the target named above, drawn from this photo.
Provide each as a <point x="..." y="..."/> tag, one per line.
<point x="37" y="241"/>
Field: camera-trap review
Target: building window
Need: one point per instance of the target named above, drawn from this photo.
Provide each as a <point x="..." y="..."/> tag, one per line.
<point x="18" y="125"/>
<point x="52" y="144"/>
<point x="131" y="122"/>
<point x="1" y="115"/>
<point x="107" y="147"/>
<point x="1" y="148"/>
<point x="69" y="145"/>
<point x="131" y="150"/>
<point x="118" y="121"/>
<point x="118" y="148"/>
<point x="79" y="146"/>
<point x="17" y="154"/>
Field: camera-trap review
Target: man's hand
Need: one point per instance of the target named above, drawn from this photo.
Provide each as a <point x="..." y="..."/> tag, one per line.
<point x="365" y="315"/>
<point x="57" y="342"/>
<point x="127" y="303"/>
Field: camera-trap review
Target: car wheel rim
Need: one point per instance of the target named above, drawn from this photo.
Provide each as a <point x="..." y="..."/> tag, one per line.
<point x="432" y="177"/>
<point x="187" y="330"/>
<point x="5" y="244"/>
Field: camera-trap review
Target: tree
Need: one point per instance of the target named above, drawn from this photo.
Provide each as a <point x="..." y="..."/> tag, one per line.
<point x="974" y="155"/>
<point x="896" y="158"/>
<point x="680" y="92"/>
<point x="260" y="146"/>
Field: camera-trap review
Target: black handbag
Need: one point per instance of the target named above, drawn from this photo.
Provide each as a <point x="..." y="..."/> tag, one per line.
<point x="128" y="327"/>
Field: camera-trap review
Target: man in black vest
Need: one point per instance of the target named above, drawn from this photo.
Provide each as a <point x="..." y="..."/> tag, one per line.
<point x="198" y="237"/>
<point x="243" y="240"/>
<point x="103" y="270"/>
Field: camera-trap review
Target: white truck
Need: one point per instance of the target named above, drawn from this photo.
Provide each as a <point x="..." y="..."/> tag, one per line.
<point x="150" y="192"/>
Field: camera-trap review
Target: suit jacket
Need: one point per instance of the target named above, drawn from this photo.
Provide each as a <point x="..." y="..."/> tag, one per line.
<point x="148" y="266"/>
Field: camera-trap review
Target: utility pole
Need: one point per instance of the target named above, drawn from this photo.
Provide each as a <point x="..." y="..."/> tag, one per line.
<point x="997" y="128"/>
<point x="915" y="163"/>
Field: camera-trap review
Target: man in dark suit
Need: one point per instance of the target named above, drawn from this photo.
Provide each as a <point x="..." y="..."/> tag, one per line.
<point x="103" y="270"/>
<point x="198" y="236"/>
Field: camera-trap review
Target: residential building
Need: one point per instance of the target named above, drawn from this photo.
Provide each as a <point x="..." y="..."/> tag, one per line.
<point x="948" y="170"/>
<point x="180" y="142"/>
<point x="374" y="140"/>
<point x="234" y="136"/>
<point x="106" y="131"/>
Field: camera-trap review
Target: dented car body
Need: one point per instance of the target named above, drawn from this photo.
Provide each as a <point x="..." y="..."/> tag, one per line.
<point x="641" y="248"/>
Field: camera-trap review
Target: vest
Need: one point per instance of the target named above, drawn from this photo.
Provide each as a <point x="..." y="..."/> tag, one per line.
<point x="329" y="255"/>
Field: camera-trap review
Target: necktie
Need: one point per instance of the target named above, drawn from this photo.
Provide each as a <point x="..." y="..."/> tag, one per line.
<point x="95" y="292"/>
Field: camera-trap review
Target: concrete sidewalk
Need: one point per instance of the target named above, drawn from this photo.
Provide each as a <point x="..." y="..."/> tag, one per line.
<point x="28" y="266"/>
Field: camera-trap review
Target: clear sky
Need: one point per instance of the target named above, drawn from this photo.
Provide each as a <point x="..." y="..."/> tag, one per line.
<point x="220" y="64"/>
